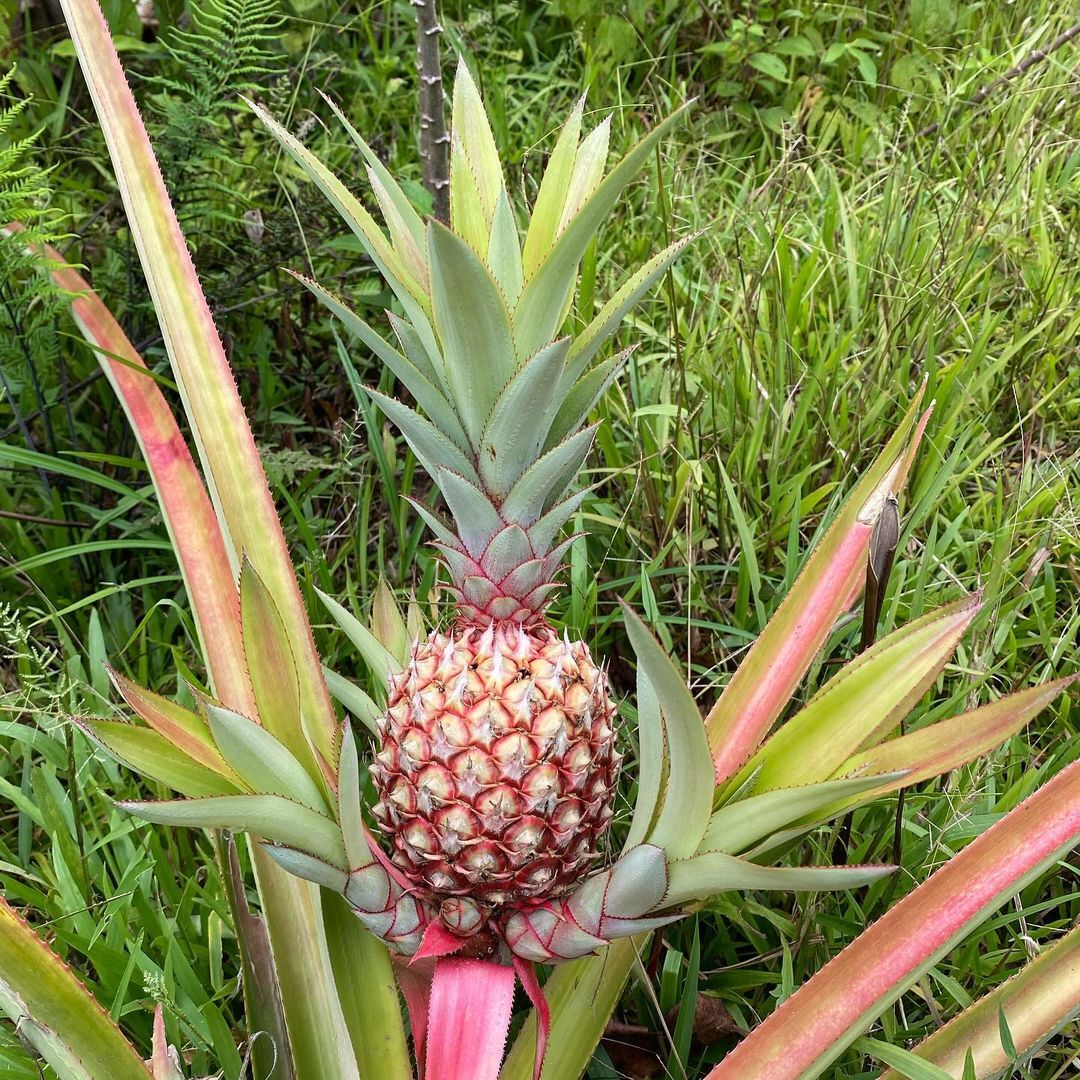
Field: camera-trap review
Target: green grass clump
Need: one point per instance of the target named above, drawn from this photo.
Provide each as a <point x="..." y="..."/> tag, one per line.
<point x="871" y="221"/>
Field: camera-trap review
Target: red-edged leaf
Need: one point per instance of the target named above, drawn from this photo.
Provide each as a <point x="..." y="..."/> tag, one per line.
<point x="415" y="982"/>
<point x="829" y="583"/>
<point x="468" y="1019"/>
<point x="189" y="515"/>
<point x="526" y="972"/>
<point x="814" y="1026"/>
<point x="1035" y="1003"/>
<point x="231" y="463"/>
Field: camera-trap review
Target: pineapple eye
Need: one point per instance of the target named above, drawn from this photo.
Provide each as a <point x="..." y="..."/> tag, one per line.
<point x="524" y="672"/>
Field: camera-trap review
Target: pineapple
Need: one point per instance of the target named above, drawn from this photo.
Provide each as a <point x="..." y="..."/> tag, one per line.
<point x="496" y="761"/>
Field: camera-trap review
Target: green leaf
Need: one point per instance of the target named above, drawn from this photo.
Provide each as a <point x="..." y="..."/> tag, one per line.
<point x="302" y="865"/>
<point x="471" y="128"/>
<point x="550" y="199"/>
<point x="264" y="763"/>
<point x="770" y="65"/>
<point x="382" y="662"/>
<point x="275" y="683"/>
<point x="185" y="730"/>
<point x="431" y="447"/>
<point x="588" y="171"/>
<point x="687" y="801"/>
<point x="350" y="813"/>
<point x="702" y="876"/>
<point x="368" y="991"/>
<point x="271" y="817"/>
<point x="520" y="420"/>
<point x="388" y="623"/>
<point x="610" y="317"/>
<point x="539" y="308"/>
<point x="738" y="826"/>
<point x="405" y="210"/>
<point x="149" y="753"/>
<point x="905" y="1063"/>
<point x="473" y="326"/>
<point x="428" y="396"/>
<point x="56" y="1014"/>
<point x="405" y="285"/>
<point x="504" y="251"/>
<point x="354" y="699"/>
<point x="545" y="481"/>
<point x="475" y="517"/>
<point x="650" y="761"/>
<point x="584" y="395"/>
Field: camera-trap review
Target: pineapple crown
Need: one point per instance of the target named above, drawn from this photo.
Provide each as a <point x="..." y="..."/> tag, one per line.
<point x="501" y="399"/>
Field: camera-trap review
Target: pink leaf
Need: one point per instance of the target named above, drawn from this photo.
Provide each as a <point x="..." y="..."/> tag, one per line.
<point x="468" y="1020"/>
<point x="438" y="941"/>
<point x="827" y="1013"/>
<point x="829" y="583"/>
<point x="415" y="982"/>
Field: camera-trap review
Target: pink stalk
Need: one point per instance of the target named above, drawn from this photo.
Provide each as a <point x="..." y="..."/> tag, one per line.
<point x="829" y="583"/>
<point x="827" y="1013"/>
<point x="468" y="1019"/>
<point x="186" y="507"/>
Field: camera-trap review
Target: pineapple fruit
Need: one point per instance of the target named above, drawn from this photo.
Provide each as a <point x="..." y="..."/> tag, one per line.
<point x="496" y="764"/>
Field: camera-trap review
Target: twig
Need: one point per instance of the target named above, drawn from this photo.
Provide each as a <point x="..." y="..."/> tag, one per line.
<point x="980" y="95"/>
<point x="434" y="141"/>
<point x="37" y="519"/>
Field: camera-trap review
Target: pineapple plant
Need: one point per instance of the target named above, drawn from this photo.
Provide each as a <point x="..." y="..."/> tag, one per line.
<point x="496" y="761"/>
<point x="495" y="757"/>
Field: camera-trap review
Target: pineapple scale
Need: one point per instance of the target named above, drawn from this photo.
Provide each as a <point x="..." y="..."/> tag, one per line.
<point x="497" y="765"/>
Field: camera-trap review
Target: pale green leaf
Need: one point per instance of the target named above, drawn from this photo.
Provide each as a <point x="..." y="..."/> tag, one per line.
<point x="55" y="1013"/>
<point x="263" y="762"/>
<point x="428" y="396"/>
<point x="551" y="198"/>
<point x="520" y="420"/>
<point x="687" y="798"/>
<point x="271" y="817"/>
<point x="504" y="251"/>
<point x="354" y="699"/>
<point x="470" y="126"/>
<point x="538" y="310"/>
<point x="431" y="447"/>
<point x="737" y="826"/>
<point x="588" y="171"/>
<point x="473" y="326"/>
<point x="545" y="482"/>
<point x="152" y="755"/>
<point x="382" y="662"/>
<point x="609" y="318"/>
<point x="650" y="761"/>
<point x="707" y="875"/>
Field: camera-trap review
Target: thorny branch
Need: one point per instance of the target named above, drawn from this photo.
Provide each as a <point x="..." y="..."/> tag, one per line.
<point x="434" y="141"/>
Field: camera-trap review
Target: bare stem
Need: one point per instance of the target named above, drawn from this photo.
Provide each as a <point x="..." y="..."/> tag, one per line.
<point x="434" y="141"/>
<point x="1037" y="56"/>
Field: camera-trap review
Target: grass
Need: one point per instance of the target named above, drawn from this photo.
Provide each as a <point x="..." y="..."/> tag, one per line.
<point x="845" y="258"/>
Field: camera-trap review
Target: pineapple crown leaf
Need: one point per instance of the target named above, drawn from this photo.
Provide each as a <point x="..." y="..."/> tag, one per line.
<point x="500" y="401"/>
